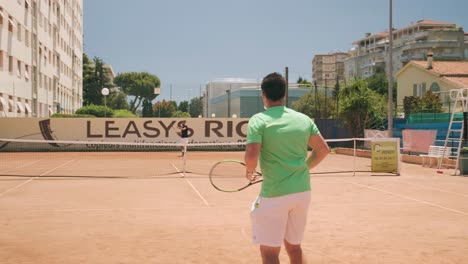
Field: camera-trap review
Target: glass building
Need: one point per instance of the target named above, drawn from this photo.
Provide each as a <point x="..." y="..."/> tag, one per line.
<point x="236" y="97"/>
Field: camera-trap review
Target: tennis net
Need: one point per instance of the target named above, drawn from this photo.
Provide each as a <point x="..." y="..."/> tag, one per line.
<point x="75" y="159"/>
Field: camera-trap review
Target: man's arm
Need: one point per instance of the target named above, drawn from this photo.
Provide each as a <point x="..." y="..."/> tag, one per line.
<point x="252" y="151"/>
<point x="320" y="150"/>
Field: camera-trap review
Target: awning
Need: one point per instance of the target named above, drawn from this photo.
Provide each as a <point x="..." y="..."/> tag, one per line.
<point x="28" y="108"/>
<point x="12" y="23"/>
<point x="3" y="102"/>
<point x="11" y="104"/>
<point x="20" y="107"/>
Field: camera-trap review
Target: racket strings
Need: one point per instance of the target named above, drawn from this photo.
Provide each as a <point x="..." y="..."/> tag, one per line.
<point x="229" y="176"/>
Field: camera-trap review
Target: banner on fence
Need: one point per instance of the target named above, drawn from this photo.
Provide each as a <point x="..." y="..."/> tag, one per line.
<point x="418" y="140"/>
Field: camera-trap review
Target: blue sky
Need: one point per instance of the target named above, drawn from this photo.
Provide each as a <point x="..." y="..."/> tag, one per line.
<point x="187" y="43"/>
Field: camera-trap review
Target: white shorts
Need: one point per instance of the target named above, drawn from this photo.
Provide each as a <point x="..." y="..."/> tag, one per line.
<point x="183" y="140"/>
<point x="280" y="218"/>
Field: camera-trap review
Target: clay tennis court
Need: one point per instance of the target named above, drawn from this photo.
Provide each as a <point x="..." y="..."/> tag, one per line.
<point x="139" y="208"/>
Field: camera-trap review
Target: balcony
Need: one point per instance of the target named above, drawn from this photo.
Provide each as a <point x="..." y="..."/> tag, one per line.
<point x="432" y="44"/>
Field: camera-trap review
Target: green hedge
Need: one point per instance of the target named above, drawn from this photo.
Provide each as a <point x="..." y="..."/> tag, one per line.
<point x="123" y="113"/>
<point x="95" y="110"/>
<point x="71" y="115"/>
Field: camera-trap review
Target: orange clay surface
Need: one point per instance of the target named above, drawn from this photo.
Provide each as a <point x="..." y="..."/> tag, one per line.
<point x="106" y="208"/>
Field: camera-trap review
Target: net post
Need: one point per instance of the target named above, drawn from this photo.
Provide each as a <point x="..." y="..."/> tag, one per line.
<point x="184" y="157"/>
<point x="354" y="157"/>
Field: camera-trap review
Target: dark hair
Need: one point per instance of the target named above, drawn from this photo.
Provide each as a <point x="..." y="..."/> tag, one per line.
<point x="274" y="86"/>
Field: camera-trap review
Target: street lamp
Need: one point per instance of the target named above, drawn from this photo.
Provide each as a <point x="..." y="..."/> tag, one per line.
<point x="105" y="92"/>
<point x="229" y="101"/>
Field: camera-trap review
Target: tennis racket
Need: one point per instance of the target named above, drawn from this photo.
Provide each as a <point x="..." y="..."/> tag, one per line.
<point x="229" y="176"/>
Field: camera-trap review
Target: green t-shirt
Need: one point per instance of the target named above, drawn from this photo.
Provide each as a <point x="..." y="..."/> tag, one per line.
<point x="284" y="135"/>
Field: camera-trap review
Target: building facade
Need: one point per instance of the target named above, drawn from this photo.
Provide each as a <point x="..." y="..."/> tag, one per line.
<point x="418" y="77"/>
<point x="328" y="68"/>
<point x="369" y="55"/>
<point x="233" y="97"/>
<point x="41" y="48"/>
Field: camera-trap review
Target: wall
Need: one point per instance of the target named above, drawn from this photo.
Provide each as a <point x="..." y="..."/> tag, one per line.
<point x="130" y="130"/>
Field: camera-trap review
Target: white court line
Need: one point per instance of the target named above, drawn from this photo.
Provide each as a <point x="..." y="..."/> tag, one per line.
<point x="191" y="185"/>
<point x="409" y="198"/>
<point x="25" y="182"/>
<point x="22" y="166"/>
<point x="78" y="210"/>
<point x="434" y="188"/>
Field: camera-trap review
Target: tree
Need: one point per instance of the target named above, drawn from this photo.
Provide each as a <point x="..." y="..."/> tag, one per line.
<point x="359" y="105"/>
<point x="180" y="114"/>
<point x="378" y="82"/>
<point x="307" y="104"/>
<point x="303" y="82"/>
<point x="183" y="106"/>
<point x="430" y="102"/>
<point x="140" y="85"/>
<point x="196" y="107"/>
<point x="117" y="100"/>
<point x="164" y="108"/>
<point x="94" y="79"/>
<point x="147" y="108"/>
<point x="411" y="104"/>
<point x="336" y="95"/>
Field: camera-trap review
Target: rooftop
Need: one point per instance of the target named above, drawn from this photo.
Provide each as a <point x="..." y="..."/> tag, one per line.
<point x="447" y="68"/>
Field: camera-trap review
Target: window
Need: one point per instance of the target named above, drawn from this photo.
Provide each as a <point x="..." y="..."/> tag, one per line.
<point x="26" y="37"/>
<point x="10" y="64"/>
<point x="1" y="16"/>
<point x="10" y="24"/>
<point x="19" y="32"/>
<point x="18" y="70"/>
<point x="26" y="72"/>
<point x="11" y="104"/>
<point x="435" y="87"/>
<point x="419" y="89"/>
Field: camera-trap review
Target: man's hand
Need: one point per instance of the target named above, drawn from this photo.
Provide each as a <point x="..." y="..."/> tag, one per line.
<point x="250" y="175"/>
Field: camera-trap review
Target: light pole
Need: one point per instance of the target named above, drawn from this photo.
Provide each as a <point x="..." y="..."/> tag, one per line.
<point x="390" y="73"/>
<point x="105" y="92"/>
<point x="188" y="101"/>
<point x="229" y="101"/>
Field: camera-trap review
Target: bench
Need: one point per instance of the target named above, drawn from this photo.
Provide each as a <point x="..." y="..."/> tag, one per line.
<point x="436" y="152"/>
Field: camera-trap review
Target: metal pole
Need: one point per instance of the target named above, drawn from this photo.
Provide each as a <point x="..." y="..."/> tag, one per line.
<point x="390" y="74"/>
<point x="287" y="88"/>
<point x="229" y="101"/>
<point x="105" y="107"/>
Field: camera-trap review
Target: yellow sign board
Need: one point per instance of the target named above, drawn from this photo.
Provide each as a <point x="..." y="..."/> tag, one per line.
<point x="386" y="155"/>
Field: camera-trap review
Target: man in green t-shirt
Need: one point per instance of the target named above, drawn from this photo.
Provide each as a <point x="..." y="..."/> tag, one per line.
<point x="279" y="137"/>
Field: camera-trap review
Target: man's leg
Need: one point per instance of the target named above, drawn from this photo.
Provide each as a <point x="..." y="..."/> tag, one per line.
<point x="295" y="253"/>
<point x="270" y="255"/>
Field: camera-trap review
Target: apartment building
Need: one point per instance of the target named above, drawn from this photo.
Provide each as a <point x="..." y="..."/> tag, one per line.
<point x="328" y="68"/>
<point x="446" y="41"/>
<point x="41" y="47"/>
